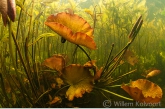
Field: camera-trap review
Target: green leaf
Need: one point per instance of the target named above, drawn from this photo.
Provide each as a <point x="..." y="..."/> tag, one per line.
<point x="42" y="36"/>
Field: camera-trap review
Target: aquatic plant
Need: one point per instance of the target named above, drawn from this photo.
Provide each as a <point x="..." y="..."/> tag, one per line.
<point x="79" y="79"/>
<point x="143" y="90"/>
<point x="56" y="62"/>
<point x="83" y="81"/>
<point x="31" y="76"/>
<point x="72" y="28"/>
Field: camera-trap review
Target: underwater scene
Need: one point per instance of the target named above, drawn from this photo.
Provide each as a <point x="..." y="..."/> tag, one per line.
<point x="82" y="53"/>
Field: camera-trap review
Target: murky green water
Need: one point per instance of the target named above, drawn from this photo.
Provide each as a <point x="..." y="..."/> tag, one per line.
<point x="82" y="53"/>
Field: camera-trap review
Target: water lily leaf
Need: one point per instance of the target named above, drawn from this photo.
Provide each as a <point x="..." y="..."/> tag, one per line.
<point x="92" y="64"/>
<point x="56" y="99"/>
<point x="130" y="57"/>
<point x="143" y="90"/>
<point x="79" y="78"/>
<point x="98" y="73"/>
<point x="56" y="62"/>
<point x="59" y="82"/>
<point x="72" y="28"/>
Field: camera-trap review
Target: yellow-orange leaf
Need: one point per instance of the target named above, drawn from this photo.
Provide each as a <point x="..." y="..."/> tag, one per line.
<point x="92" y="64"/>
<point x="98" y="74"/>
<point x="72" y="28"/>
<point x="79" y="78"/>
<point x="143" y="90"/>
<point x="55" y="100"/>
<point x="56" y="62"/>
<point x="130" y="57"/>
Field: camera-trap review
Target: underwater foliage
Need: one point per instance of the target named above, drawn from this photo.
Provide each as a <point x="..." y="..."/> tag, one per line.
<point x="151" y="73"/>
<point x="78" y="53"/>
<point x="56" y="62"/>
<point x="79" y="79"/>
<point x="77" y="76"/>
<point x="92" y="64"/>
<point x="143" y="90"/>
<point x="72" y="28"/>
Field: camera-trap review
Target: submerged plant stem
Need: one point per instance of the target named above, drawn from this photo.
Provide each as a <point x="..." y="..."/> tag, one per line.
<point x="85" y="52"/>
<point x="94" y="69"/>
<point x="107" y="65"/>
<point x="11" y="35"/>
<point x="105" y="90"/>
<point x="42" y="95"/>
<point x="18" y="28"/>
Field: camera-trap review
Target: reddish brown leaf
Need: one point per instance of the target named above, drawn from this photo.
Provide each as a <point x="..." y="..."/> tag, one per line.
<point x="98" y="74"/>
<point x="72" y="28"/>
<point x="143" y="90"/>
<point x="56" y="62"/>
